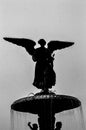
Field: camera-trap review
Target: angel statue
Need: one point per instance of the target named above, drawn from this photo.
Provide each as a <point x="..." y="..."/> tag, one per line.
<point x="45" y="76"/>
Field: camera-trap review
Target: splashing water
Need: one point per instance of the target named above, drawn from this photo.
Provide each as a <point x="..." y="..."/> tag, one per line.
<point x="71" y="119"/>
<point x="19" y="120"/>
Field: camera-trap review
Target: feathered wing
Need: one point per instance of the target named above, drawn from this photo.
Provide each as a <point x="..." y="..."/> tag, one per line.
<point x="28" y="44"/>
<point x="57" y="45"/>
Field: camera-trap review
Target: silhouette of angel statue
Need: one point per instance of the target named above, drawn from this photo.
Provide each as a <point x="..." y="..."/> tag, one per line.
<point x="45" y="76"/>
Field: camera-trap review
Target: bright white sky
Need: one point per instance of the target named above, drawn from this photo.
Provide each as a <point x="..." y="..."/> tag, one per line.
<point x="51" y="20"/>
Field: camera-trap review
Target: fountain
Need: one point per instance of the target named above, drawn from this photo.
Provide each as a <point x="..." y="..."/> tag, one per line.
<point x="45" y="110"/>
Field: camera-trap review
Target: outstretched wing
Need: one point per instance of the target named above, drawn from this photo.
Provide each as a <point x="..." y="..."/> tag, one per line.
<point x="28" y="44"/>
<point x="57" y="45"/>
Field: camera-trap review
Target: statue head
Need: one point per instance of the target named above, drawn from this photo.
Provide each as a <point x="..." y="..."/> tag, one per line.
<point x="42" y="42"/>
<point x="35" y="126"/>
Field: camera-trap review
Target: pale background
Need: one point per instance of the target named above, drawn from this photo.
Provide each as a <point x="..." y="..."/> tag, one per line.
<point x="35" y="19"/>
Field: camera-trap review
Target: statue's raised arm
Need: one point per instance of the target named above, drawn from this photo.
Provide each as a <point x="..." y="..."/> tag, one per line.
<point x="28" y="44"/>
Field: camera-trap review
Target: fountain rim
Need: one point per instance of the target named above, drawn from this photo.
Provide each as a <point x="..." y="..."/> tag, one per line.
<point x="68" y="102"/>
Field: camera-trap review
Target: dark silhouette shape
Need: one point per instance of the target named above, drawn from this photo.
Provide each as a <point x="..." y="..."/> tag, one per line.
<point x="45" y="76"/>
<point x="58" y="125"/>
<point x="26" y="43"/>
<point x="33" y="127"/>
<point x="44" y="73"/>
<point x="46" y="122"/>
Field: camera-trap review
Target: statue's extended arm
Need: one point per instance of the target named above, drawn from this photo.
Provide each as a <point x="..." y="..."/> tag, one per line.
<point x="34" y="58"/>
<point x="35" y="55"/>
<point x="29" y="124"/>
